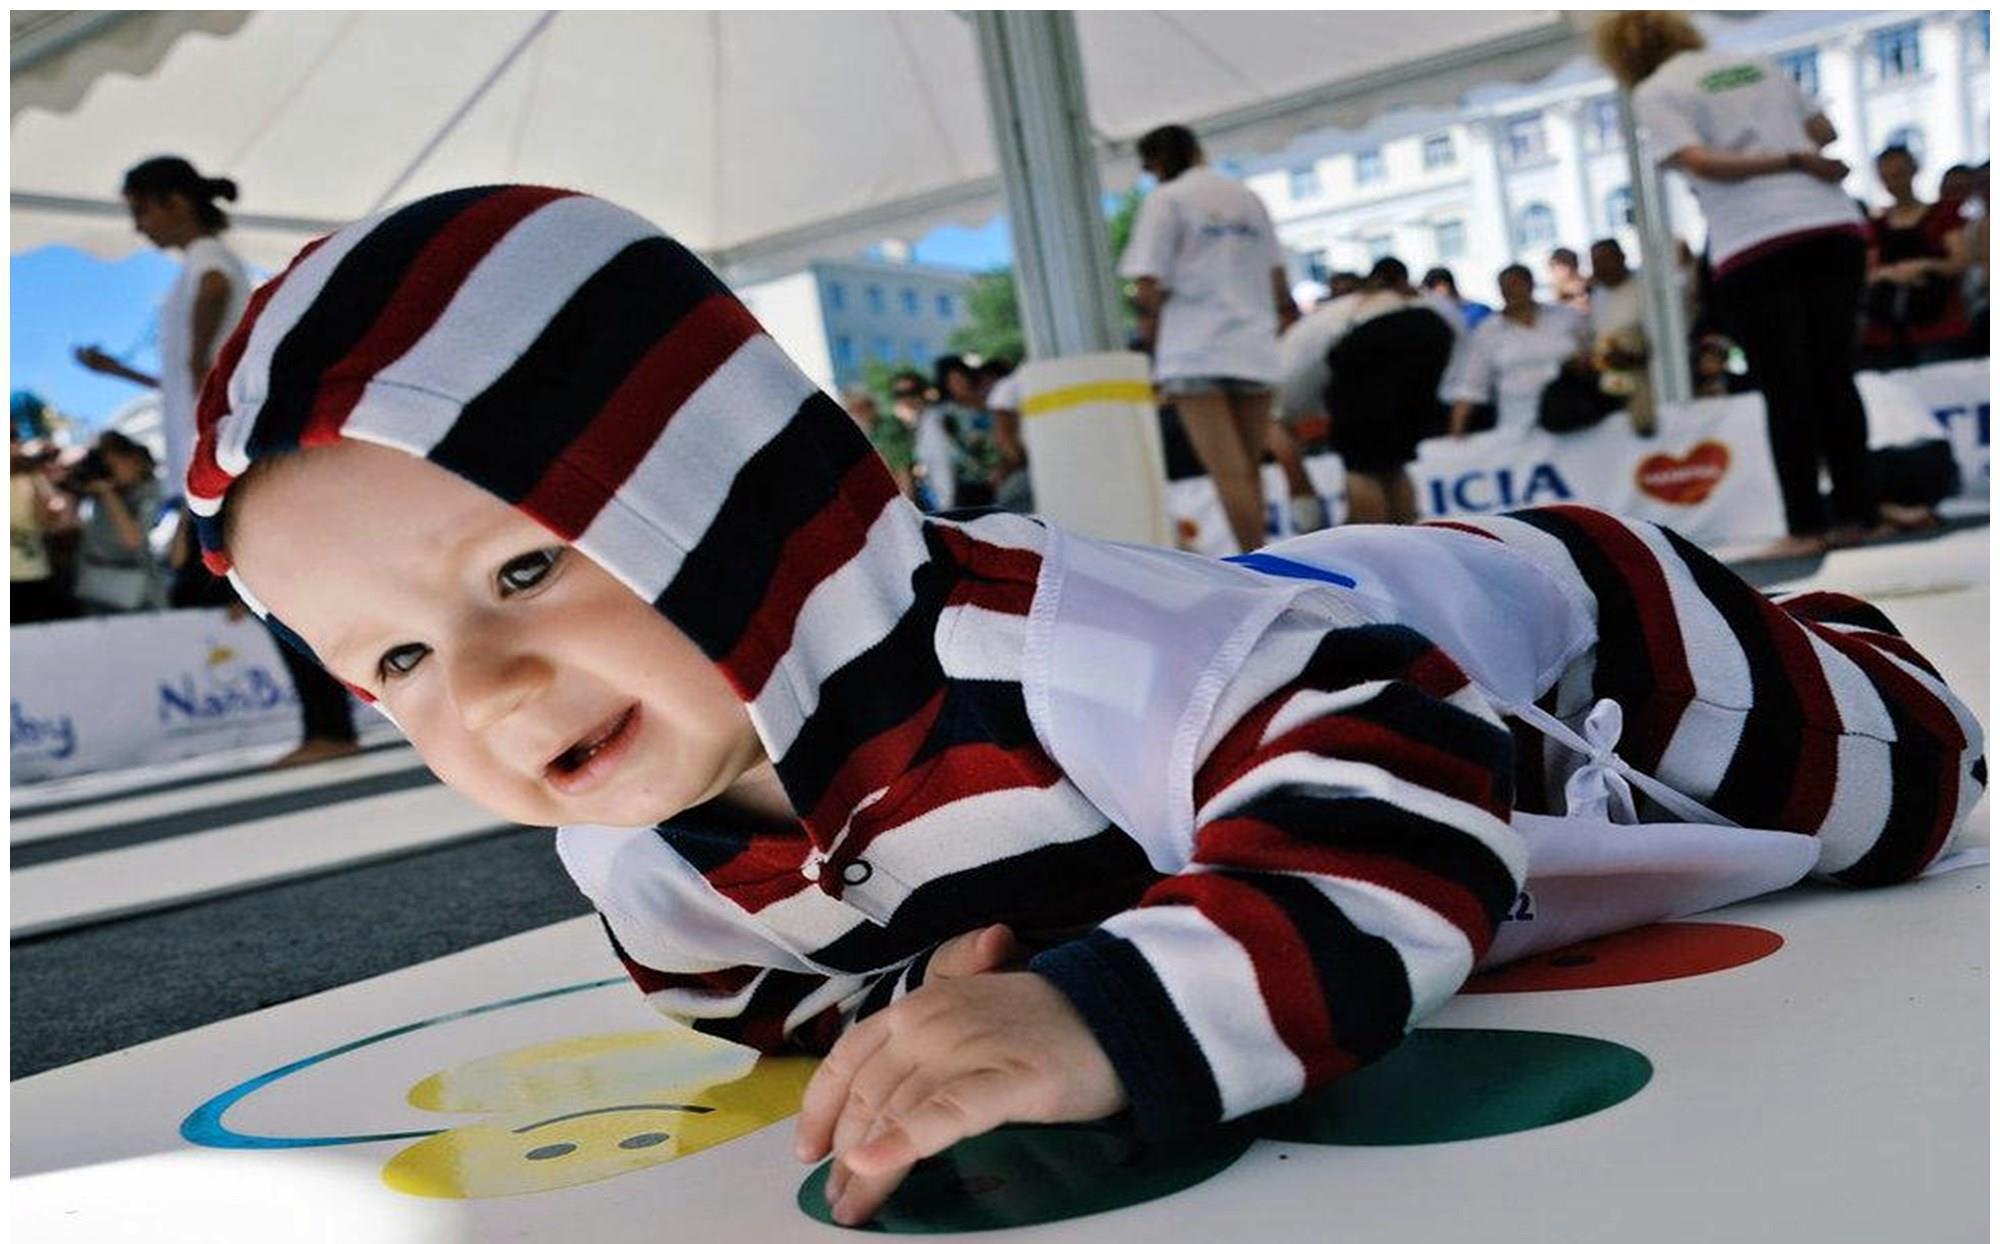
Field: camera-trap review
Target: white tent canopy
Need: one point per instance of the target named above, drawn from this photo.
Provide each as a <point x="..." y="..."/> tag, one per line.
<point x="759" y="139"/>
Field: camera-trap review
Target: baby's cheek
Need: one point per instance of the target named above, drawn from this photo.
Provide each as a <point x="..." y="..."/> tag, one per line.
<point x="459" y="764"/>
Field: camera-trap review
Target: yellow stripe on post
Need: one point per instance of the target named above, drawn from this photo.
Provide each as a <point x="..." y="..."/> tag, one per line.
<point x="1085" y="394"/>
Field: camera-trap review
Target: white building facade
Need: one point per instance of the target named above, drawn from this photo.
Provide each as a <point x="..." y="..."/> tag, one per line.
<point x="1520" y="171"/>
<point x="835" y="317"/>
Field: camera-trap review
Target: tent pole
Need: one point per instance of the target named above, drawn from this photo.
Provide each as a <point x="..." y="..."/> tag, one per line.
<point x="1048" y="172"/>
<point x="1667" y="364"/>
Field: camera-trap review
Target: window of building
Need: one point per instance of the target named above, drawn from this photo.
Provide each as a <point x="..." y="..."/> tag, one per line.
<point x="1982" y="30"/>
<point x="1536" y="226"/>
<point x="1618" y="207"/>
<point x="1526" y="141"/>
<point x="1911" y="136"/>
<point x="1439" y="151"/>
<point x="1600" y="124"/>
<point x="1450" y="239"/>
<point x="1368" y="167"/>
<point x="843" y="352"/>
<point x="1803" y="68"/>
<point x="1305" y="182"/>
<point x="944" y="307"/>
<point x="911" y="303"/>
<point x="1898" y="52"/>
<point x="875" y="302"/>
<point x="884" y="349"/>
<point x="1379" y="246"/>
<point x="836" y="297"/>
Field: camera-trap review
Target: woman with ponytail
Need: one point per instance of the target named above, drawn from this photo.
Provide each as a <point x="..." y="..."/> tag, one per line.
<point x="174" y="207"/>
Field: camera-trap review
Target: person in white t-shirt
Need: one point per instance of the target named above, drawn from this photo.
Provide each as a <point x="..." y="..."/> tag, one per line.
<point x="1618" y="329"/>
<point x="1513" y="355"/>
<point x="1212" y="299"/>
<point x="1785" y="243"/>
<point x="174" y="206"/>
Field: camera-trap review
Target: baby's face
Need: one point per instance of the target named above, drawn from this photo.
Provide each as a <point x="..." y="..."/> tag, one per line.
<point x="529" y="679"/>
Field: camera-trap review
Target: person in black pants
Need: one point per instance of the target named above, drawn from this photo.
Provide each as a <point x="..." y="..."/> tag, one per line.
<point x="1786" y="244"/>
<point x="324" y="707"/>
<point x="1793" y="311"/>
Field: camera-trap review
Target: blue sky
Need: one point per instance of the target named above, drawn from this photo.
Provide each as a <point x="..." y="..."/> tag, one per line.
<point x="63" y="298"/>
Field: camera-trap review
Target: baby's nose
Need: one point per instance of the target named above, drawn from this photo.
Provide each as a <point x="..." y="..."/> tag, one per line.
<point x="488" y="686"/>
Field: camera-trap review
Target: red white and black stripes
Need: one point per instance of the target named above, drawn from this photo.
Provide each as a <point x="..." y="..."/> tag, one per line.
<point x="1808" y="714"/>
<point x="1351" y="861"/>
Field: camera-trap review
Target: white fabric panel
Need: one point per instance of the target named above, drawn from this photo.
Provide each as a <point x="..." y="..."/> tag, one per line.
<point x="1129" y="649"/>
<point x="1588" y="878"/>
<point x="1449" y="586"/>
<point x="1213" y="984"/>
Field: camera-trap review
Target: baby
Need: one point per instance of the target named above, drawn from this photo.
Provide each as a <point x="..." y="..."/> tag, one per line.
<point x="1011" y="824"/>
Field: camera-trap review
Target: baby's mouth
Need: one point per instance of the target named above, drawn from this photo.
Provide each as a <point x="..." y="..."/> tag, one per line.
<point x="589" y="759"/>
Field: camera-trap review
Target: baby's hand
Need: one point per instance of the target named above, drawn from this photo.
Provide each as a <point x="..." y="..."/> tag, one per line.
<point x="952" y="1059"/>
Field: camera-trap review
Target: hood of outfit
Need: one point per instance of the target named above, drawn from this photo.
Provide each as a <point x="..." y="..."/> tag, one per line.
<point x="563" y="355"/>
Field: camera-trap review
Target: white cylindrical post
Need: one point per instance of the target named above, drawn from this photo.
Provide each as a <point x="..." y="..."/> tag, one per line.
<point x="1048" y="168"/>
<point x="1090" y="427"/>
<point x="1667" y="364"/>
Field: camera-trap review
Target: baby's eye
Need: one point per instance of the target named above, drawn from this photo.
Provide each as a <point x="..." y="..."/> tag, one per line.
<point x="527" y="570"/>
<point x="400" y="660"/>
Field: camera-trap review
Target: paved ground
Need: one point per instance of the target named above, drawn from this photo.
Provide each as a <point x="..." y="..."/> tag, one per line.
<point x="89" y="991"/>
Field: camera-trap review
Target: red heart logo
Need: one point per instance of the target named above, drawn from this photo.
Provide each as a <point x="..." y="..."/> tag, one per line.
<point x="1687" y="480"/>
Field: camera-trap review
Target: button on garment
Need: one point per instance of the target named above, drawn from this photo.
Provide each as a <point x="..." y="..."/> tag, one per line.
<point x="857" y="872"/>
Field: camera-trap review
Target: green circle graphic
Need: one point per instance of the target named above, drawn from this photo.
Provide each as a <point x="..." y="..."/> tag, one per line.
<point x="1445" y="1084"/>
<point x="1022" y="1176"/>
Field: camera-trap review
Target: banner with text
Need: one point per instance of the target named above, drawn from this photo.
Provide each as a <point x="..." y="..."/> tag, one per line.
<point x="145" y="688"/>
<point x="1707" y="475"/>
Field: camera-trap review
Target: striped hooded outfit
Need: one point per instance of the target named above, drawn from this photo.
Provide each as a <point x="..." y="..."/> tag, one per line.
<point x="1300" y="847"/>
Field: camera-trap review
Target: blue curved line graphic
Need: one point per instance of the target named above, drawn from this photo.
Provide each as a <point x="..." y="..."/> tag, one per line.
<point x="1286" y="568"/>
<point x="204" y="1125"/>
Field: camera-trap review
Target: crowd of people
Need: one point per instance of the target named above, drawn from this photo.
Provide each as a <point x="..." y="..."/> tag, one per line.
<point x="1799" y="286"/>
<point x="952" y="439"/>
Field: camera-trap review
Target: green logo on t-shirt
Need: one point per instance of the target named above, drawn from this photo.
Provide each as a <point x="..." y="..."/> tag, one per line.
<point x="1731" y="78"/>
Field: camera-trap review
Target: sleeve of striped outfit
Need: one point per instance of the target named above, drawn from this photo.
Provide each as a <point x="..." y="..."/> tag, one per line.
<point x="1351" y="860"/>
<point x="766" y="1008"/>
<point x="705" y="961"/>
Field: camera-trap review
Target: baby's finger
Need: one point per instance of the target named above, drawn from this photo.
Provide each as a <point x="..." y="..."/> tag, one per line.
<point x="962" y="1107"/>
<point x="858" y="1197"/>
<point x="863" y="1195"/>
<point x="969" y="954"/>
<point x="827" y="1090"/>
<point x="872" y="1088"/>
